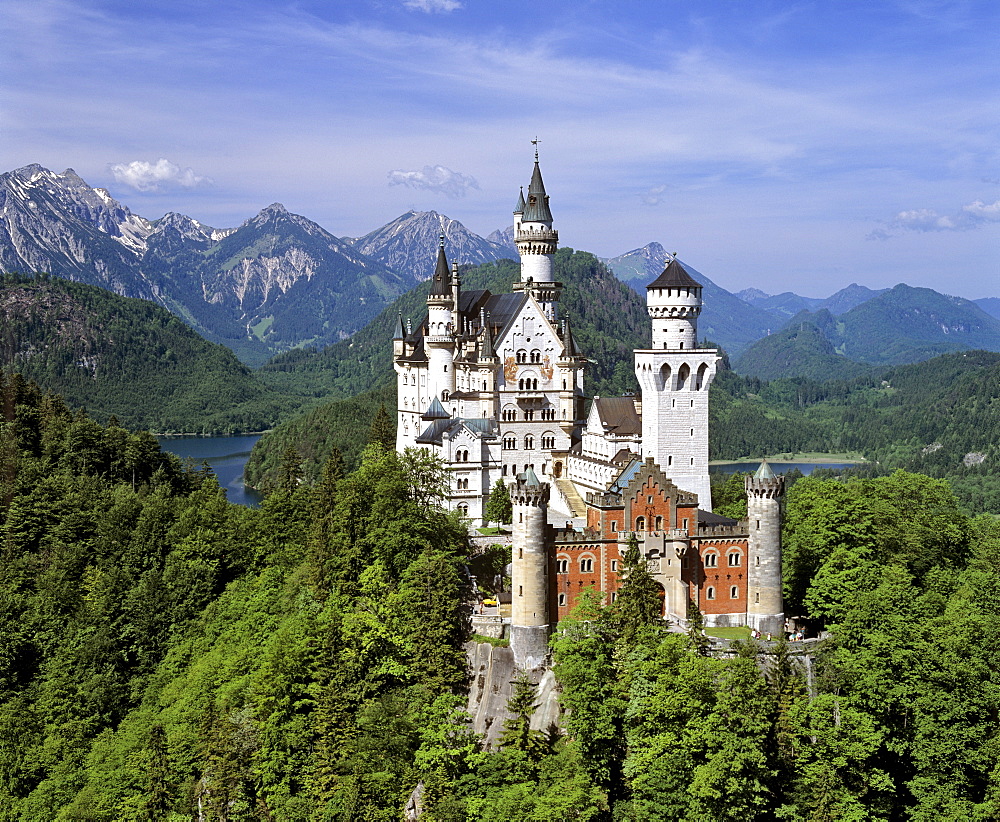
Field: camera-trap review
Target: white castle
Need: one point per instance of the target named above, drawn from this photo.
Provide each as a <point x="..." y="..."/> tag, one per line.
<point x="494" y="385"/>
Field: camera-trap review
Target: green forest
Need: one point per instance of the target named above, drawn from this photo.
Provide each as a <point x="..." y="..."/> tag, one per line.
<point x="170" y="656"/>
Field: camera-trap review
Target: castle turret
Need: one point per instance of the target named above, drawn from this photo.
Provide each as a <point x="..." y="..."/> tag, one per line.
<point x="765" y="610"/>
<point x="536" y="242"/>
<point x="441" y="328"/>
<point x="675" y="376"/>
<point x="530" y="621"/>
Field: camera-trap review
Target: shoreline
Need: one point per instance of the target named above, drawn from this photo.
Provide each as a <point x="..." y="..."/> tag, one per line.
<point x="814" y="460"/>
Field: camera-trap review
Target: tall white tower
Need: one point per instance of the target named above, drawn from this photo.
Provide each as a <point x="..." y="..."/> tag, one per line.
<point x="442" y="318"/>
<point x="765" y="610"/>
<point x="536" y="242"/>
<point x="675" y="376"/>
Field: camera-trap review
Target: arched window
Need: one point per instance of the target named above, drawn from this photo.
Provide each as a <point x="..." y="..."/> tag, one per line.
<point x="710" y="593"/>
<point x="711" y="560"/>
<point x="562" y="599"/>
<point x="659" y="524"/>
<point x="529" y="443"/>
<point x="734" y="593"/>
<point x="734" y="559"/>
<point x="509" y="443"/>
<point x="463" y="509"/>
<point x="586" y="565"/>
<point x="521" y="357"/>
<point x="562" y="566"/>
<point x="445" y="395"/>
<point x="640" y="523"/>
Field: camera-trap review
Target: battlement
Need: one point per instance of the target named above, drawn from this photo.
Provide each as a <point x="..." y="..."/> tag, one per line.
<point x="529" y="493"/>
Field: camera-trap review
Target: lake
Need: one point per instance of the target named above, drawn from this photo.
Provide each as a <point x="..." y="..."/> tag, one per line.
<point x="777" y="467"/>
<point x="227" y="457"/>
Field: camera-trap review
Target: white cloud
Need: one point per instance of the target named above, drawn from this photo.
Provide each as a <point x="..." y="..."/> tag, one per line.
<point x="653" y="196"/>
<point x="434" y="178"/>
<point x="431" y="6"/>
<point x="143" y="176"/>
<point x="973" y="215"/>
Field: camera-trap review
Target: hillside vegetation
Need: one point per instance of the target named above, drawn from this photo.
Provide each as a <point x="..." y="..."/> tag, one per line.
<point x="128" y="358"/>
<point x="608" y="320"/>
<point x="170" y="656"/>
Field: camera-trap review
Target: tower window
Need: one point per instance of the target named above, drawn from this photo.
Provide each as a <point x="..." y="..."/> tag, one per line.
<point x="614" y="565"/>
<point x="734" y="559"/>
<point x="734" y="593"/>
<point x="562" y="566"/>
<point x="710" y="593"/>
<point x="756" y="598"/>
<point x="756" y="561"/>
<point x="562" y="599"/>
<point x="586" y="566"/>
<point x="711" y="560"/>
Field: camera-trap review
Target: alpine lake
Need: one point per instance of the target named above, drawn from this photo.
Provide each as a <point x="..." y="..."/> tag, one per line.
<point x="226" y="456"/>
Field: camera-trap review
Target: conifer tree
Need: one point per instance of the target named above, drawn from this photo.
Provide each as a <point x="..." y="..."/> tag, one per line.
<point x="498" y="507"/>
<point x="638" y="603"/>
<point x="382" y="430"/>
<point x="517" y="731"/>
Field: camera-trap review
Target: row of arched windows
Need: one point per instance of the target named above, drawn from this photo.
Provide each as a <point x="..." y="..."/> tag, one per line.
<point x="734" y="592"/>
<point x="733" y="558"/>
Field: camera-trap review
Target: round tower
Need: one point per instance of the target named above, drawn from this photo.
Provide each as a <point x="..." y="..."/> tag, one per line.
<point x="673" y="301"/>
<point x="675" y="376"/>
<point x="765" y="610"/>
<point x="440" y="339"/>
<point x="529" y="624"/>
<point x="536" y="242"/>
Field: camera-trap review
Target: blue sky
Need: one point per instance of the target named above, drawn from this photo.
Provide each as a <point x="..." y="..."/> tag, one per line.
<point x="781" y="145"/>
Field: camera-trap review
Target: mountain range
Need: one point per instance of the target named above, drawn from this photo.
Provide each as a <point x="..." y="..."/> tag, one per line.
<point x="280" y="281"/>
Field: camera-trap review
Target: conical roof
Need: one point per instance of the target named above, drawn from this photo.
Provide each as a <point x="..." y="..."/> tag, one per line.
<point x="435" y="411"/>
<point x="764" y="472"/>
<point x="530" y="479"/>
<point x="519" y="208"/>
<point x="674" y="275"/>
<point x="537" y="208"/>
<point x="486" y="344"/>
<point x="569" y="346"/>
<point x="397" y="333"/>
<point x="441" y="281"/>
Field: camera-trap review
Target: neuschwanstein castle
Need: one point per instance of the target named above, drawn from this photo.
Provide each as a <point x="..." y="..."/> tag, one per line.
<point x="494" y="385"/>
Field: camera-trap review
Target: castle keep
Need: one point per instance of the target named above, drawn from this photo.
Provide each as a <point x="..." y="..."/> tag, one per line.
<point x="494" y="385"/>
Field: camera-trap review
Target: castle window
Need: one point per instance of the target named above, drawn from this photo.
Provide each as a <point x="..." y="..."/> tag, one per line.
<point x="444" y="395"/>
<point x="711" y="560"/>
<point x="734" y="593"/>
<point x="463" y="509"/>
<point x="529" y="443"/>
<point x="756" y="560"/>
<point x="520" y="590"/>
<point x="509" y="443"/>
<point x="649" y="499"/>
<point x="521" y="357"/>
<point x="756" y="598"/>
<point x="659" y="524"/>
<point x="758" y="525"/>
<point x="586" y="566"/>
<point x="562" y="599"/>
<point x="562" y="566"/>
<point x="529" y="415"/>
<point x="614" y="565"/>
<point x="640" y="523"/>
<point x="614" y="525"/>
<point x="710" y="593"/>
<point x="504" y="471"/>
<point x="734" y="559"/>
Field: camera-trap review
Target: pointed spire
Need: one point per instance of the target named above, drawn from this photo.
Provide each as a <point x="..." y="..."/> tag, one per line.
<point x="537" y="207"/>
<point x="486" y="346"/>
<point x="530" y="479"/>
<point x="568" y="344"/>
<point x="441" y="286"/>
<point x="397" y="333"/>
<point x="519" y="208"/>
<point x="764" y="472"/>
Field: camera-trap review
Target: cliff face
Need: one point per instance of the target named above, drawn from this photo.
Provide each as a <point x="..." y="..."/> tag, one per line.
<point x="493" y="673"/>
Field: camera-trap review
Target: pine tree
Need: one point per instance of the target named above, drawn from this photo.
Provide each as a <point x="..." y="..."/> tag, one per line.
<point x="638" y="604"/>
<point x="382" y="430"/>
<point x="498" y="507"/>
<point x="517" y="731"/>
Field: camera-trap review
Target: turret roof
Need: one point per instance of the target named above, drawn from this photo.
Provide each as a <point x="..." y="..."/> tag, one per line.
<point x="764" y="472"/>
<point x="530" y="478"/>
<point x="441" y="285"/>
<point x="674" y="275"/>
<point x="398" y="334"/>
<point x="519" y="208"/>
<point x="435" y="411"/>
<point x="537" y="207"/>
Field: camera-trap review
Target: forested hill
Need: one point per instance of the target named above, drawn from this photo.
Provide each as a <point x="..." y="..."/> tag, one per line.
<point x="128" y="358"/>
<point x="609" y="320"/>
<point x="169" y="656"/>
<point x="940" y="417"/>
